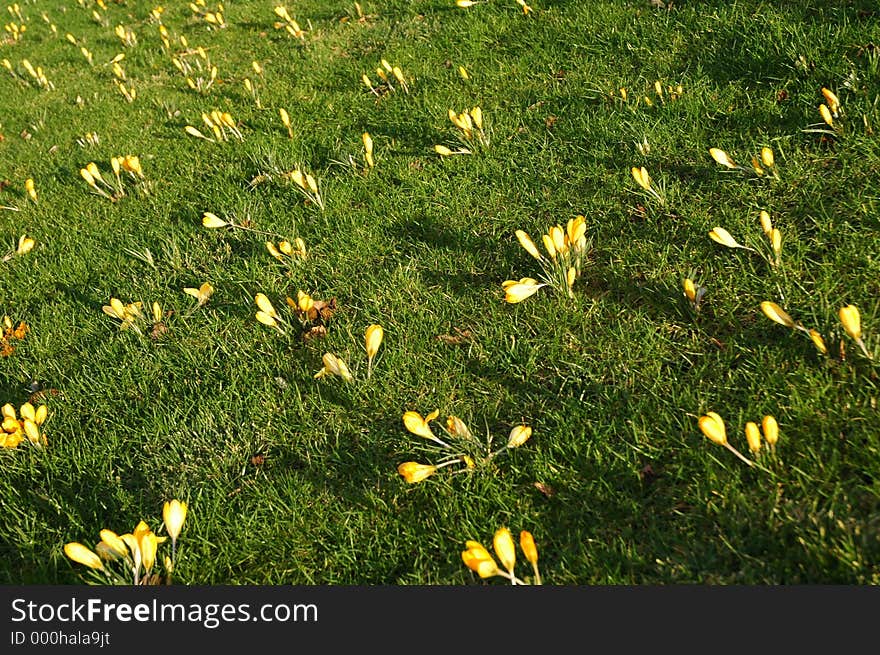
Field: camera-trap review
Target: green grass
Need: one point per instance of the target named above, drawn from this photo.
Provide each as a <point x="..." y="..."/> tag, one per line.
<point x="612" y="381"/>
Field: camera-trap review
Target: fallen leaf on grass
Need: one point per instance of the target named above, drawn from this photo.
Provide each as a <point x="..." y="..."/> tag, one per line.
<point x="545" y="489"/>
<point x="316" y="332"/>
<point x="460" y="337"/>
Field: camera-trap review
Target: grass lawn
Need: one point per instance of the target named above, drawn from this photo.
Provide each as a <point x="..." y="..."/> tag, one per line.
<point x="606" y="110"/>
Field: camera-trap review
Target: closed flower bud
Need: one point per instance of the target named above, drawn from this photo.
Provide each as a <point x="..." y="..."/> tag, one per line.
<point x="82" y="555"/>
<point x="527" y="543"/>
<point x="849" y="317"/>
<point x="414" y="472"/>
<point x="818" y="341"/>
<point x="771" y="430"/>
<point x="712" y="425"/>
<point x="722" y="157"/>
<point x="775" y="313"/>
<point x="373" y="338"/>
<point x="753" y="436"/>
<point x="502" y="542"/>
<point x="766" y="223"/>
<point x="518" y="436"/>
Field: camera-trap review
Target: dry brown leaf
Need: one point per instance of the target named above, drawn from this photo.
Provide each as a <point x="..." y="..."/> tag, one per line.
<point x="545" y="489"/>
<point x="316" y="332"/>
<point x="460" y="337"/>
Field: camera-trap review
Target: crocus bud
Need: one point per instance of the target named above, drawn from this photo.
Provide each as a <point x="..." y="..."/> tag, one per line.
<point x="712" y="425"/>
<point x="771" y="429"/>
<point x="504" y="548"/>
<point x="849" y="317"/>
<point x="753" y="436"/>
<point x="527" y="543"/>
<point x="82" y="555"/>
<point x="775" y="313"/>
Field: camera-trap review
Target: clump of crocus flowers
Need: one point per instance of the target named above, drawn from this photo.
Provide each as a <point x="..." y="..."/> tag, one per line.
<point x="643" y="179"/>
<point x="849" y="317"/>
<point x="566" y="252"/>
<point x="125" y="168"/>
<point x="306" y="310"/>
<point x="115" y="557"/>
<point x="390" y="76"/>
<point x="460" y="446"/>
<point x="766" y="166"/>
<point x="479" y="560"/>
<point x="10" y="333"/>
<point x="287" y="23"/>
<point x="714" y="429"/>
<point x="829" y="111"/>
<point x="131" y="316"/>
<point x="222" y="126"/>
<point x="22" y="425"/>
<point x="196" y="67"/>
<point x="472" y="132"/>
<point x="773" y="255"/>
<point x="214" y="18"/>
<point x="286" y="252"/>
<point x="335" y="366"/>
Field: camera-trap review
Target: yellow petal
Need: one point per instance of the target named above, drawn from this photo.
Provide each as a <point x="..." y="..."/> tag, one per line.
<point x="518" y="436"/>
<point x="558" y="237"/>
<point x="264" y="304"/>
<point x="25" y="245"/>
<point x="721" y="157"/>
<point x="776" y="241"/>
<point x="767" y="157"/>
<point x="480" y="562"/>
<point x="766" y="223"/>
<point x="832" y="100"/>
<point x="818" y="341"/>
<point x="527" y="243"/>
<point x="519" y="291"/>
<point x="82" y="555"/>
<point x="775" y="313"/>
<point x="640" y="175"/>
<point x="690" y="290"/>
<point x="114" y="543"/>
<point x="413" y="472"/>
<point x="118" y="308"/>
<point x="174" y="514"/>
<point x="722" y="236"/>
<point x="549" y="246"/>
<point x="456" y="427"/>
<point x="373" y="337"/>
<point x="194" y="132"/>
<point x="826" y="115"/>
<point x="27" y="411"/>
<point x="712" y="426"/>
<point x="414" y="422"/>
<point x="265" y="319"/>
<point x="212" y="220"/>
